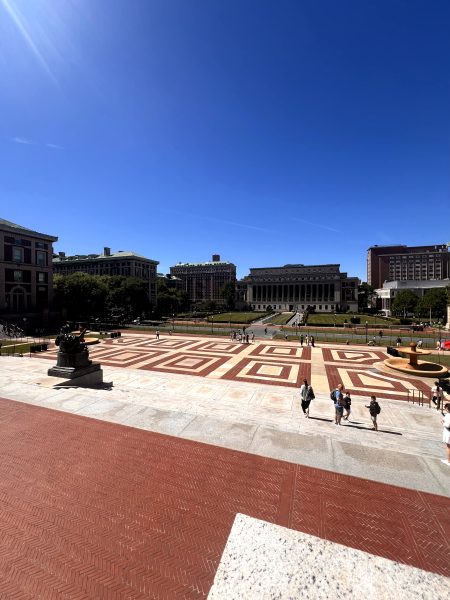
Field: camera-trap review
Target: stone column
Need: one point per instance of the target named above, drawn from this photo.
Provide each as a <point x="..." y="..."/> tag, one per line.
<point x="447" y="327"/>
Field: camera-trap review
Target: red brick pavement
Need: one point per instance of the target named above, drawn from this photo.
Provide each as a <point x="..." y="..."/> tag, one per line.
<point x="94" y="510"/>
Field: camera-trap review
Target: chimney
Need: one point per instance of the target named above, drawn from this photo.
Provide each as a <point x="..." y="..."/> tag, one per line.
<point x="106" y="251"/>
<point x="216" y="257"/>
<point x="62" y="254"/>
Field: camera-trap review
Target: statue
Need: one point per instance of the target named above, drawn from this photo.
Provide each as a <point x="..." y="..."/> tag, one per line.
<point x="73" y="362"/>
<point x="69" y="343"/>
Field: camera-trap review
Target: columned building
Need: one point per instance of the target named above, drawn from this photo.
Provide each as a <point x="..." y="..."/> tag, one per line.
<point x="295" y="287"/>
<point x="26" y="287"/>
<point x="204" y="282"/>
<point x="122" y="262"/>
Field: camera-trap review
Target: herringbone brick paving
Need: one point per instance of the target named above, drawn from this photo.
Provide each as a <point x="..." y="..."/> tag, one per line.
<point x="93" y="510"/>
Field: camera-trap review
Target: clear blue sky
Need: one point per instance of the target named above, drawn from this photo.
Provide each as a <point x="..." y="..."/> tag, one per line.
<point x="266" y="131"/>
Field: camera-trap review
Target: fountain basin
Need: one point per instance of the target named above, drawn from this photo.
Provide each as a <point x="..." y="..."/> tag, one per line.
<point x="413" y="366"/>
<point x="422" y="368"/>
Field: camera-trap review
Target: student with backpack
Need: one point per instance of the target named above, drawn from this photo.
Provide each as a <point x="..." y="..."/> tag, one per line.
<point x="374" y="410"/>
<point x="338" y="400"/>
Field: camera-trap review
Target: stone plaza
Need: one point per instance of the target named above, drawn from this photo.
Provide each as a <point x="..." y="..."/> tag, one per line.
<point x="195" y="474"/>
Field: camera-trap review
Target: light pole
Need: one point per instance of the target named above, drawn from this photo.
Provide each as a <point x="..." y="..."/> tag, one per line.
<point x="173" y="322"/>
<point x="367" y="326"/>
<point x="212" y="323"/>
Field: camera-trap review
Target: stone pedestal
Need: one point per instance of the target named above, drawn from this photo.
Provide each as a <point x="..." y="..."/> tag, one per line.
<point x="77" y="368"/>
<point x="447" y="327"/>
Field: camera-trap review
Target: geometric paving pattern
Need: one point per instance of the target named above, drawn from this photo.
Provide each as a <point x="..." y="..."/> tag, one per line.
<point x="271" y="363"/>
<point x="370" y="381"/>
<point x="92" y="510"/>
<point x="272" y="372"/>
<point x="362" y="357"/>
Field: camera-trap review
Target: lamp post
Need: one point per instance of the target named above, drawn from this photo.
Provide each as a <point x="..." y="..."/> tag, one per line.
<point x="173" y="322"/>
<point x="212" y="323"/>
<point x="367" y="326"/>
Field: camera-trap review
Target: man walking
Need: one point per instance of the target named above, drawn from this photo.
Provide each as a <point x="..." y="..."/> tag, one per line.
<point x="374" y="410"/>
<point x="338" y="400"/>
<point x="301" y="340"/>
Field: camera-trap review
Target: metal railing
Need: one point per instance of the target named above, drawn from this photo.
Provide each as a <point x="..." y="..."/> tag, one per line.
<point x="417" y="396"/>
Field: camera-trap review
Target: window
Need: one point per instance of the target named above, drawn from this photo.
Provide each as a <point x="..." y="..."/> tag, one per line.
<point x="18" y="275"/>
<point x="17" y="255"/>
<point x="41" y="258"/>
<point x="41" y="277"/>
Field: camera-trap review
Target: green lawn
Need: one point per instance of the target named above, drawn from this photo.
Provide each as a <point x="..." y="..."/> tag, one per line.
<point x="281" y="319"/>
<point x="330" y="319"/>
<point x="237" y="317"/>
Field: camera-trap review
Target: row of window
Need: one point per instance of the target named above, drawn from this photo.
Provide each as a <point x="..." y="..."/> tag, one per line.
<point x="18" y="254"/>
<point x="279" y="307"/>
<point x="24" y="276"/>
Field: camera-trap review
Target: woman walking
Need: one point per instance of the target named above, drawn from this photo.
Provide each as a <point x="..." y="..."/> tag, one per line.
<point x="446" y="432"/>
<point x="306" y="395"/>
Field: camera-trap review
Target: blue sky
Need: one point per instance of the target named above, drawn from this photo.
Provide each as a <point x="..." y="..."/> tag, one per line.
<point x="266" y="131"/>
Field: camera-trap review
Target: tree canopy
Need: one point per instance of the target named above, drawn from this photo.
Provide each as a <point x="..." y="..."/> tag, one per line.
<point x="404" y="302"/>
<point x="434" y="302"/>
<point x="83" y="297"/>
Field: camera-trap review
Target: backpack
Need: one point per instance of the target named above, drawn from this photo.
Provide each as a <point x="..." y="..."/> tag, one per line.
<point x="310" y="394"/>
<point x="333" y="395"/>
<point x="377" y="408"/>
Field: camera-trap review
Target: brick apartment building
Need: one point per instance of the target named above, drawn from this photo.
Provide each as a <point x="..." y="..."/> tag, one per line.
<point x="26" y="286"/>
<point x="407" y="263"/>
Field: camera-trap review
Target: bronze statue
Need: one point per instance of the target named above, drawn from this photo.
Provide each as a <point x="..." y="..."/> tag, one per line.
<point x="70" y="343"/>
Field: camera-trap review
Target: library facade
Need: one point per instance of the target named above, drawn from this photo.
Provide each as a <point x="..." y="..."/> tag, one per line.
<point x="295" y="287"/>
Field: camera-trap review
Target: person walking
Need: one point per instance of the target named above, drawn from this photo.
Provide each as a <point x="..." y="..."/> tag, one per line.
<point x="312" y="341"/>
<point x="301" y="339"/>
<point x="338" y="400"/>
<point x="446" y="431"/>
<point x="157" y="334"/>
<point x="306" y="395"/>
<point x="437" y="395"/>
<point x="253" y="336"/>
<point x="347" y="405"/>
<point x="307" y="340"/>
<point x="374" y="410"/>
<point x="399" y="341"/>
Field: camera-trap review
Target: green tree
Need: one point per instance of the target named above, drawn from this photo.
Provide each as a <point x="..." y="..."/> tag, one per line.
<point x="404" y="302"/>
<point x="366" y="297"/>
<point x="127" y="295"/>
<point x="228" y="293"/>
<point x="434" y="302"/>
<point x="80" y="296"/>
<point x="171" y="300"/>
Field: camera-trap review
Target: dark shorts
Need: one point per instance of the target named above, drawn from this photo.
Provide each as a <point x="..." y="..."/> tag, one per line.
<point x="339" y="410"/>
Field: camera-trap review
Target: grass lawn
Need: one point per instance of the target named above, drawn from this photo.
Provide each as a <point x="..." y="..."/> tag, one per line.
<point x="237" y="317"/>
<point x="329" y="318"/>
<point x="443" y="359"/>
<point x="281" y="319"/>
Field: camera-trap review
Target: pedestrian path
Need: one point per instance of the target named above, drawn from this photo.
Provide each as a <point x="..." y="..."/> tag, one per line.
<point x="257" y="418"/>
